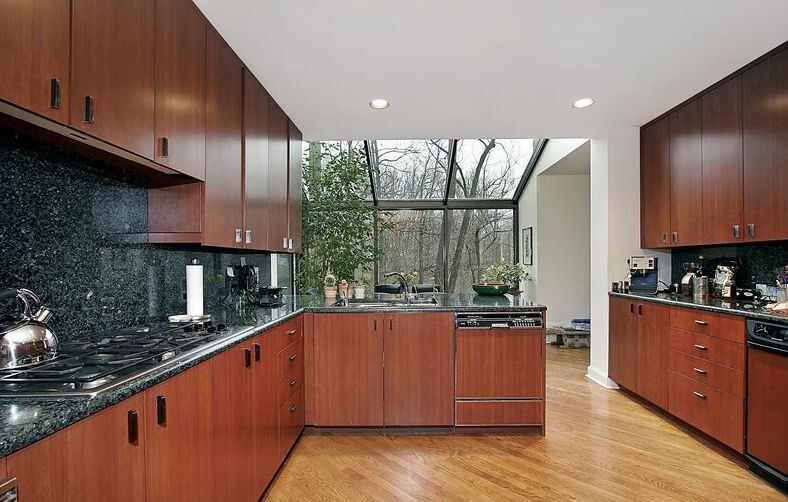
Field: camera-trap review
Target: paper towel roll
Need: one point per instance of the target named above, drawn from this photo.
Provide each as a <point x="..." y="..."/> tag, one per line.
<point x="194" y="288"/>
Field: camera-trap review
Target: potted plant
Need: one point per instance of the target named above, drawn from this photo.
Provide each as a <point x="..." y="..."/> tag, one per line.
<point x="330" y="286"/>
<point x="359" y="289"/>
<point x="511" y="274"/>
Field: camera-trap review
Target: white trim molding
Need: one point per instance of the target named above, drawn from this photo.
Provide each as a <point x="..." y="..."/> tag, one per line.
<point x="600" y="378"/>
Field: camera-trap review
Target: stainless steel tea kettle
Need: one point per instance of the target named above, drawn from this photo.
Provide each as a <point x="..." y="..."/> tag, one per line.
<point x="28" y="340"/>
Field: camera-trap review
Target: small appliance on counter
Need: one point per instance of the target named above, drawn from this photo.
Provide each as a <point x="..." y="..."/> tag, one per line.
<point x="643" y="274"/>
<point x="268" y="297"/>
<point x="26" y="340"/>
<point x="690" y="270"/>
<point x="726" y="276"/>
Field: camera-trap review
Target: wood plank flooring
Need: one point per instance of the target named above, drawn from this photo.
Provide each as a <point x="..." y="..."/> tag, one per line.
<point x="600" y="445"/>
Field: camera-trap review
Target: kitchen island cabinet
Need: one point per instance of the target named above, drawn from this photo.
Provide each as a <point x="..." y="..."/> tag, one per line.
<point x="34" y="64"/>
<point x="100" y="458"/>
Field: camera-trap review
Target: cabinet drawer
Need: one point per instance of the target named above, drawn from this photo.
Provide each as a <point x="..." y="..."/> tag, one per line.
<point x="703" y="370"/>
<point x="291" y="359"/>
<point x="498" y="413"/>
<point x="291" y="382"/>
<point x="291" y="421"/>
<point x="287" y="333"/>
<point x="709" y="323"/>
<point x="716" y="413"/>
<point x="712" y="349"/>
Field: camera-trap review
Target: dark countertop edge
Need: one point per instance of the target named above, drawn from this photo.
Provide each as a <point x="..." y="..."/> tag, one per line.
<point x="79" y="408"/>
<point x="758" y="314"/>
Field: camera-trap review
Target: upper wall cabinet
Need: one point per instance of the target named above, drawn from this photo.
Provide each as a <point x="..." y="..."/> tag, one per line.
<point x="686" y="177"/>
<point x="294" y="198"/>
<point x="655" y="185"/>
<point x="278" y="230"/>
<point x="112" y="71"/>
<point x="765" y="89"/>
<point x="180" y="87"/>
<point x="223" y="189"/>
<point x="256" y="172"/>
<point x="34" y="62"/>
<point x="721" y="111"/>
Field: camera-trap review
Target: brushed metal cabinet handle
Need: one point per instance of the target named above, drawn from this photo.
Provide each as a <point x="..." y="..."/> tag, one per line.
<point x="284" y="243"/>
<point x="698" y="370"/>
<point x="293" y="382"/>
<point x="736" y="231"/>
<point x="702" y="396"/>
<point x="292" y="408"/>
<point x="90" y="109"/>
<point x="751" y="229"/>
<point x="165" y="147"/>
<point x="292" y="357"/>
<point x="248" y="234"/>
<point x="291" y="332"/>
<point x="290" y="244"/>
<point x="675" y="236"/>
<point x="701" y="347"/>
<point x="237" y="235"/>
<point x="54" y="94"/>
<point x="665" y="237"/>
<point x="701" y="323"/>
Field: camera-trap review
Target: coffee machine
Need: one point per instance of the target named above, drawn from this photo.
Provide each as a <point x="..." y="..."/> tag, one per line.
<point x="643" y="274"/>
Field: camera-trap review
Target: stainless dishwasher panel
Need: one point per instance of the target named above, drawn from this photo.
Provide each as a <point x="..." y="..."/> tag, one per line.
<point x="8" y="490"/>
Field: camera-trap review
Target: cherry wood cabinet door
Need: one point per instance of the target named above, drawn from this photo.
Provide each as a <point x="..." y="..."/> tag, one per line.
<point x="766" y="149"/>
<point x="767" y="407"/>
<point x="112" y="72"/>
<point x="295" y="195"/>
<point x="277" y="179"/>
<point x="500" y="364"/>
<point x="46" y="456"/>
<point x="653" y="352"/>
<point x="348" y="370"/>
<point x="223" y="188"/>
<point x="266" y="421"/>
<point x="34" y="64"/>
<point x="255" y="164"/>
<point x="721" y="117"/>
<point x="686" y="176"/>
<point x="179" y="437"/>
<point x="234" y="425"/>
<point x="655" y="185"/>
<point x="623" y="343"/>
<point x="180" y="87"/>
<point x="419" y="369"/>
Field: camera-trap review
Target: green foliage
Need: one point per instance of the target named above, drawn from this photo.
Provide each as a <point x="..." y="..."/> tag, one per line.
<point x="337" y="222"/>
<point x="507" y="273"/>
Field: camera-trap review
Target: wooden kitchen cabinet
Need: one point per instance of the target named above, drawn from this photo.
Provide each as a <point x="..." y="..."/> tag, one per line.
<point x="655" y="185"/>
<point x="765" y="125"/>
<point x="112" y="72"/>
<point x="653" y="352"/>
<point x="723" y="211"/>
<point x="34" y="64"/>
<point x="278" y="213"/>
<point x="223" y="188"/>
<point x="266" y="431"/>
<point x="295" y="186"/>
<point x="180" y="87"/>
<point x="97" y="459"/>
<point x="686" y="176"/>
<point x="179" y="437"/>
<point x="348" y="370"/>
<point x="419" y="369"/>
<point x="256" y="193"/>
<point x="623" y="343"/>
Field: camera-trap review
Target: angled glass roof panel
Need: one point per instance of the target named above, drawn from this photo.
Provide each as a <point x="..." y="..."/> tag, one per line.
<point x="325" y="154"/>
<point x="490" y="168"/>
<point x="409" y="169"/>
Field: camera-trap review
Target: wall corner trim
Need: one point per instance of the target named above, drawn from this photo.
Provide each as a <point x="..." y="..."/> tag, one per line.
<point x="599" y="378"/>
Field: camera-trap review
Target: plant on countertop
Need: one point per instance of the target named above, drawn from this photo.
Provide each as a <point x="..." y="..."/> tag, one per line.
<point x="511" y="274"/>
<point x="337" y="221"/>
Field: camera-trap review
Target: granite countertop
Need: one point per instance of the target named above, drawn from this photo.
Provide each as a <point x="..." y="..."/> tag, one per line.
<point x="24" y="421"/>
<point x="748" y="309"/>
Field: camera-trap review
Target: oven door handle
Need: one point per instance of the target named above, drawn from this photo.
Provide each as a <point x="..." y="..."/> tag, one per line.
<point x="767" y="348"/>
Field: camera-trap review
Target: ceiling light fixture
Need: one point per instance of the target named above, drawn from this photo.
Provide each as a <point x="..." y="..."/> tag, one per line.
<point x="583" y="103"/>
<point x="379" y="104"/>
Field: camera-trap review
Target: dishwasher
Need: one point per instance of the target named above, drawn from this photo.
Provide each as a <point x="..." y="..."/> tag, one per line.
<point x="8" y="490"/>
<point x="767" y="401"/>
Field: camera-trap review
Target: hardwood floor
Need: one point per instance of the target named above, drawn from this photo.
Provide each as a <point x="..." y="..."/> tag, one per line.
<point x="600" y="445"/>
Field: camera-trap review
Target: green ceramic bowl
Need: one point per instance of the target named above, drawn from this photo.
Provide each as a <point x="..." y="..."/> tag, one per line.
<point x="491" y="289"/>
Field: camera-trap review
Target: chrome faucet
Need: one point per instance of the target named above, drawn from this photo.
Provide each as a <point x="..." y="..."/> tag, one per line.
<point x="403" y="283"/>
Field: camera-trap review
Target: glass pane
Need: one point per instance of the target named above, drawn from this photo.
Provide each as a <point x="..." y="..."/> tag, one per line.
<point x="490" y="168"/>
<point x="411" y="243"/>
<point x="327" y="153"/>
<point x="478" y="238"/>
<point x="409" y="169"/>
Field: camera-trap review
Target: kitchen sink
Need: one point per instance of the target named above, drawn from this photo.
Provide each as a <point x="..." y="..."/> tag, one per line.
<point x="388" y="304"/>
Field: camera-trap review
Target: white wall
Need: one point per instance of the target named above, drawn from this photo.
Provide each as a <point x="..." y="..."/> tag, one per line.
<point x="615" y="231"/>
<point x="564" y="246"/>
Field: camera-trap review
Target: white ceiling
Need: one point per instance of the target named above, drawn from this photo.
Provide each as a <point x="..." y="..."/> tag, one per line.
<point x="492" y="68"/>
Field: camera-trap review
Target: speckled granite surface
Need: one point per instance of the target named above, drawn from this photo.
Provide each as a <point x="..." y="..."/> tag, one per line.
<point x="24" y="421"/>
<point x="747" y="309"/>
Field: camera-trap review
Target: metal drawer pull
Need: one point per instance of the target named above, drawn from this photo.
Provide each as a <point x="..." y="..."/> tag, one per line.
<point x="293" y="382"/>
<point x="291" y="332"/>
<point x="675" y="236"/>
<point x="90" y="109"/>
<point x="292" y="408"/>
<point x="134" y="429"/>
<point x="292" y="358"/>
<point x="698" y="370"/>
<point x="54" y="94"/>
<point x="701" y="347"/>
<point x="736" y="232"/>
<point x="161" y="410"/>
<point x="665" y="238"/>
<point x="238" y="235"/>
<point x="751" y="229"/>
<point x="702" y="323"/>
<point x="702" y="396"/>
<point x="248" y="234"/>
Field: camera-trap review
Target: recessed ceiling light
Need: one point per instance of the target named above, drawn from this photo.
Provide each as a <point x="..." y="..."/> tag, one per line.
<point x="379" y="103"/>
<point x="583" y="103"/>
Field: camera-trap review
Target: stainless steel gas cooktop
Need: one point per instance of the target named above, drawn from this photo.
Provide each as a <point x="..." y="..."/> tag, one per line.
<point x="88" y="367"/>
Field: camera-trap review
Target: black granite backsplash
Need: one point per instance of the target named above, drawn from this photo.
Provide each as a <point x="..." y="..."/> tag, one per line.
<point x="760" y="261"/>
<point x="70" y="231"/>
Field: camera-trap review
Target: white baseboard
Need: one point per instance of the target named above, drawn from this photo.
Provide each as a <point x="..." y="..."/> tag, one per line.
<point x="600" y="378"/>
